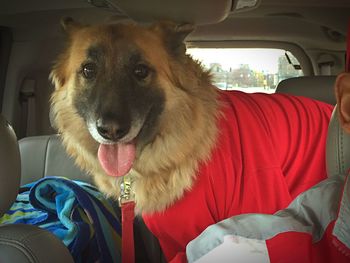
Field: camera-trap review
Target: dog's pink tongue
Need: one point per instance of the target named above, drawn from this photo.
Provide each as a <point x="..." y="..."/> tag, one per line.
<point x="116" y="159"/>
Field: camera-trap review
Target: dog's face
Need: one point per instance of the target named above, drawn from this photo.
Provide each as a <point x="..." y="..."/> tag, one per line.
<point x="115" y="77"/>
<point x="117" y="91"/>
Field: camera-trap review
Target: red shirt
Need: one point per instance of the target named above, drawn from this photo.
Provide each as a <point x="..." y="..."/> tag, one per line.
<point x="270" y="148"/>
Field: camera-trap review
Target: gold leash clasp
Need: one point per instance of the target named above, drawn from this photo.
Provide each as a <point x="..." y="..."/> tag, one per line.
<point x="126" y="193"/>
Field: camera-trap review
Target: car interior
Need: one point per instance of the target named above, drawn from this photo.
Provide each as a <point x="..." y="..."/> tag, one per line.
<point x="314" y="32"/>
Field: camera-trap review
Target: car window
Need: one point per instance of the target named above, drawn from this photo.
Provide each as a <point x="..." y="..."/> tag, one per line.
<point x="247" y="69"/>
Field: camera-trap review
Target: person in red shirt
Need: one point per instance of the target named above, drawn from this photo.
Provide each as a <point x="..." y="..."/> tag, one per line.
<point x="270" y="149"/>
<point x="315" y="227"/>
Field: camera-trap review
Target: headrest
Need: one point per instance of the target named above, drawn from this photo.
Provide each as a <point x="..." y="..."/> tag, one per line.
<point x="10" y="166"/>
<point x="316" y="87"/>
<point x="45" y="156"/>
<point x="338" y="147"/>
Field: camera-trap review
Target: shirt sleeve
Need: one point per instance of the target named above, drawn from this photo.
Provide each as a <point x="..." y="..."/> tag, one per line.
<point x="303" y="222"/>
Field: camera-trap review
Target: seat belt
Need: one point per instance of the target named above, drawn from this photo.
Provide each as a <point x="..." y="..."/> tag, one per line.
<point x="28" y="108"/>
<point x="347" y="59"/>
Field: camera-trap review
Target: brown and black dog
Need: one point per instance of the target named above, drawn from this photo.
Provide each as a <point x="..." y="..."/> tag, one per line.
<point x="127" y="97"/>
<point x="129" y="100"/>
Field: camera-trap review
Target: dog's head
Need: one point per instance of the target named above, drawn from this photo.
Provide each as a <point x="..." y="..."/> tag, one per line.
<point x="117" y="79"/>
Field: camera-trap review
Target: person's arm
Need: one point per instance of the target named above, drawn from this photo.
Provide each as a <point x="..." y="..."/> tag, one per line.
<point x="261" y="235"/>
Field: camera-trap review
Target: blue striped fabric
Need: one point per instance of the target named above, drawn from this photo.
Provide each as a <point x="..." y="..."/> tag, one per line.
<point x="75" y="212"/>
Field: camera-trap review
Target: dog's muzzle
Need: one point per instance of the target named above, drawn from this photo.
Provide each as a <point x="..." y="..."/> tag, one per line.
<point x="112" y="130"/>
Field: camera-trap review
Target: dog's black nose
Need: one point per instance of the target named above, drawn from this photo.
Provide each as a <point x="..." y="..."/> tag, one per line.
<point x="111" y="130"/>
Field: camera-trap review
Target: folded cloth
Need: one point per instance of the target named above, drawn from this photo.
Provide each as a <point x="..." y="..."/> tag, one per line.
<point x="77" y="213"/>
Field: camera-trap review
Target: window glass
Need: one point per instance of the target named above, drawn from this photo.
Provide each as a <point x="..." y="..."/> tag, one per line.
<point x="247" y="69"/>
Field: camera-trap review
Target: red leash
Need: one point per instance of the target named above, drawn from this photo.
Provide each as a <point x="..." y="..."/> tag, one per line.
<point x="128" y="252"/>
<point x="127" y="204"/>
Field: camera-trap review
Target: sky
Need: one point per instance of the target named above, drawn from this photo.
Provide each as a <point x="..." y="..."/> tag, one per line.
<point x="258" y="59"/>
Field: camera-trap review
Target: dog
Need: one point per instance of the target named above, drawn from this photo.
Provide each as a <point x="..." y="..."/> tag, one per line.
<point x="132" y="110"/>
<point x="128" y="100"/>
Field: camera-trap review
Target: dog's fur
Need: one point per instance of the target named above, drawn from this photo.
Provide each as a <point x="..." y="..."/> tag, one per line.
<point x="176" y="105"/>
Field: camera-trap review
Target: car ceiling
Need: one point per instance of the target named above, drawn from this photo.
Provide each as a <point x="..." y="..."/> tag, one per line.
<point x="311" y="24"/>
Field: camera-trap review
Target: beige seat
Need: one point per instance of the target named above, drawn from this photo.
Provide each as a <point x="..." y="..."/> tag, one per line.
<point x="338" y="148"/>
<point x="21" y="243"/>
<point x="45" y="156"/>
<point x="316" y="87"/>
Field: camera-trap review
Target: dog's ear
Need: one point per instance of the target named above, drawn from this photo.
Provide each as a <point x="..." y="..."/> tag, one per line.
<point x="342" y="92"/>
<point x="174" y="34"/>
<point x="69" y="25"/>
<point x="57" y="75"/>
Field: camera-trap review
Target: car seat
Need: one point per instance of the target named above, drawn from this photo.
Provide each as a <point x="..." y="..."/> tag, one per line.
<point x="18" y="242"/>
<point x="315" y="87"/>
<point x="338" y="147"/>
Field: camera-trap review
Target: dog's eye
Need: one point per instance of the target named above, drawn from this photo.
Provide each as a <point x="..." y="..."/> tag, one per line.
<point x="89" y="70"/>
<point x="141" y="71"/>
